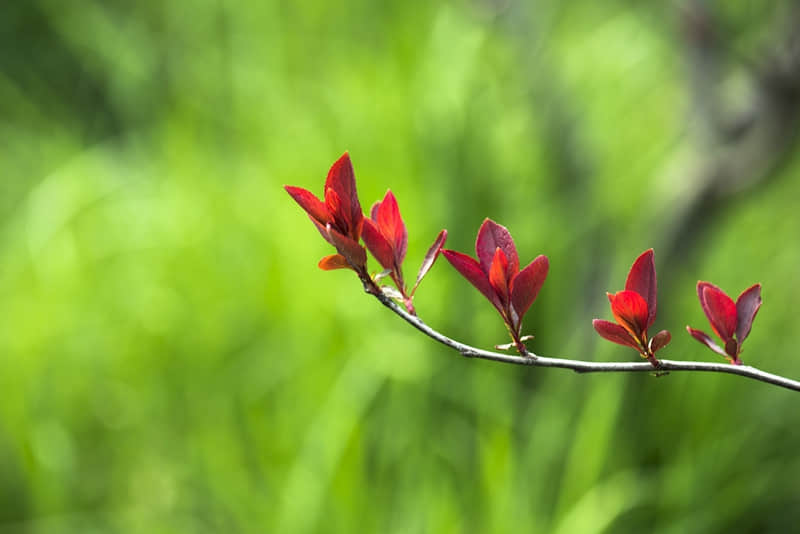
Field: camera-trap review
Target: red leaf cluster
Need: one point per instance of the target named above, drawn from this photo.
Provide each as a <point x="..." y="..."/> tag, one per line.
<point x="385" y="233"/>
<point x="496" y="274"/>
<point x="386" y="237"/>
<point x="339" y="218"/>
<point x="634" y="310"/>
<point x="730" y="321"/>
<point x="342" y="224"/>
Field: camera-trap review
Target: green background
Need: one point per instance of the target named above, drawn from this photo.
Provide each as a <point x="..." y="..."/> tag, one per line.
<point x="174" y="361"/>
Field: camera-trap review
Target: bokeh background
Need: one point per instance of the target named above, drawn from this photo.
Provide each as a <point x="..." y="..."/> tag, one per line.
<point x="174" y="361"/>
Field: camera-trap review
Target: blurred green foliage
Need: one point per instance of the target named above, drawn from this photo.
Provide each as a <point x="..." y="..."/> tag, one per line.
<point x="173" y="361"/>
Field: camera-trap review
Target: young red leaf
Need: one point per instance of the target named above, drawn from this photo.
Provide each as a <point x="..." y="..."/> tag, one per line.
<point x="430" y="258"/>
<point x="377" y="244"/>
<point x="701" y="286"/>
<point x="705" y="339"/>
<point x="387" y="216"/>
<point x="630" y="311"/>
<point x="498" y="275"/>
<point x="747" y="305"/>
<point x="615" y="333"/>
<point x="334" y="261"/>
<point x="526" y="285"/>
<point x="315" y="208"/>
<point x="337" y="216"/>
<point x="732" y="349"/>
<point x="342" y="180"/>
<point x="471" y="270"/>
<point x="642" y="279"/>
<point x="721" y="312"/>
<point x="341" y="217"/>
<point x="659" y="341"/>
<point x="351" y="250"/>
<point x="492" y="236"/>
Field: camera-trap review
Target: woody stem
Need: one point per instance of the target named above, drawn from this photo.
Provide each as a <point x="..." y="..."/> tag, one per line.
<point x="521" y="348"/>
<point x="369" y="284"/>
<point x="646" y="352"/>
<point x="397" y="277"/>
<point x="580" y="366"/>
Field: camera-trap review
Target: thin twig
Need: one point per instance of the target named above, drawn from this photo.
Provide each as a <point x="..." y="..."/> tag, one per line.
<point x="588" y="367"/>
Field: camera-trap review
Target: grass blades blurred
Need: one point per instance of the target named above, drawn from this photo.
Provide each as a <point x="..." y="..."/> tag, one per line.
<point x="173" y="360"/>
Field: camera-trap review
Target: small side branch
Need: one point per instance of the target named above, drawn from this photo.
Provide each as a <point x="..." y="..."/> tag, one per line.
<point x="588" y="367"/>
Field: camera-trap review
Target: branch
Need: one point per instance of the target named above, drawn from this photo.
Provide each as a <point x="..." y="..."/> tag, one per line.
<point x="583" y="366"/>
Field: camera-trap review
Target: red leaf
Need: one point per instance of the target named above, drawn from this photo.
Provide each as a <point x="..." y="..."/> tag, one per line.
<point x="642" y="279"/>
<point x="747" y="305"/>
<point x="700" y="288"/>
<point x="310" y="203"/>
<point x="351" y="250"/>
<point x="471" y="270"/>
<point x="334" y="261"/>
<point x="377" y="244"/>
<point x="721" y="312"/>
<point x="614" y="332"/>
<point x="706" y="340"/>
<point x="630" y="311"/>
<point x="430" y="258"/>
<point x="659" y="341"/>
<point x="339" y="218"/>
<point x="490" y="237"/>
<point x="526" y="285"/>
<point x="732" y="349"/>
<point x="497" y="276"/>
<point x="342" y="180"/>
<point x="388" y="218"/>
